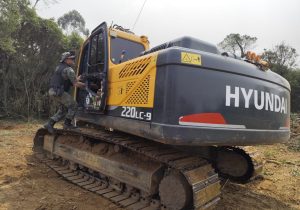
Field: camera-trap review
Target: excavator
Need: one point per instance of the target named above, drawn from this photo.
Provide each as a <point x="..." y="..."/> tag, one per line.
<point x="161" y="127"/>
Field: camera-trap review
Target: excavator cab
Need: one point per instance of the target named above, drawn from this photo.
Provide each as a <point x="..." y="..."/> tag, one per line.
<point x="104" y="49"/>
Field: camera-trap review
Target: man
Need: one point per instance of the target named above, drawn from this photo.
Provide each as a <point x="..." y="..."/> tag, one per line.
<point x="60" y="85"/>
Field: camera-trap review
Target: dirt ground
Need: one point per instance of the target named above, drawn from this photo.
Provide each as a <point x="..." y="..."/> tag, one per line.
<point x="27" y="184"/>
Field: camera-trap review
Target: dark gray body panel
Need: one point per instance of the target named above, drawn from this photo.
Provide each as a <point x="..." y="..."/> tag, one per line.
<point x="186" y="42"/>
<point x="186" y="89"/>
<point x="186" y="135"/>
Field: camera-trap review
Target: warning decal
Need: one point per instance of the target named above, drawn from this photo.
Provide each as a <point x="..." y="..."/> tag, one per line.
<point x="190" y="58"/>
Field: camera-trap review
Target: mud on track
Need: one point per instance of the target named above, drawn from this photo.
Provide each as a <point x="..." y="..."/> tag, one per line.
<point x="27" y="184"/>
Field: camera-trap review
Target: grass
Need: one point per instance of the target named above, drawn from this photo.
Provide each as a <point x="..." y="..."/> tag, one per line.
<point x="270" y="154"/>
<point x="294" y="144"/>
<point x="295" y="171"/>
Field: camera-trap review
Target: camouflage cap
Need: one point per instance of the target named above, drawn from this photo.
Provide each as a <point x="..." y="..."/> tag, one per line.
<point x="66" y="55"/>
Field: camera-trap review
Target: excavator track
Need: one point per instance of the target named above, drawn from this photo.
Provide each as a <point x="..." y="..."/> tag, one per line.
<point x="238" y="164"/>
<point x="257" y="161"/>
<point x="187" y="182"/>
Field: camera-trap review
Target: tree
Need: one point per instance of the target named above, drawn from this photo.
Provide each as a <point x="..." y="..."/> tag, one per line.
<point x="294" y="79"/>
<point x="45" y="1"/>
<point x="281" y="58"/>
<point x="235" y="42"/>
<point x="28" y="68"/>
<point x="9" y="22"/>
<point x="73" y="22"/>
<point x="74" y="41"/>
<point x="28" y="60"/>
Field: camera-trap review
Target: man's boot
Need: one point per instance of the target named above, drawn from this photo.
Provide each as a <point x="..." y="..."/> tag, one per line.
<point x="49" y="126"/>
<point x="68" y="124"/>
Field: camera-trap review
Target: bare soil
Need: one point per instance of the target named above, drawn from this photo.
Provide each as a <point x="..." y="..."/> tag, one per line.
<point x="25" y="183"/>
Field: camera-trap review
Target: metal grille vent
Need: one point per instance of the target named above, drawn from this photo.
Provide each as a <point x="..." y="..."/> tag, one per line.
<point x="141" y="94"/>
<point x="134" y="68"/>
<point x="129" y="85"/>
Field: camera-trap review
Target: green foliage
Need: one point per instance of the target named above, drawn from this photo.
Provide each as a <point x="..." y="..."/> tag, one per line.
<point x="293" y="76"/>
<point x="47" y="2"/>
<point x="74" y="41"/>
<point x="9" y="22"/>
<point x="282" y="58"/>
<point x="236" y="42"/>
<point x="294" y="142"/>
<point x="73" y="22"/>
<point x="30" y="47"/>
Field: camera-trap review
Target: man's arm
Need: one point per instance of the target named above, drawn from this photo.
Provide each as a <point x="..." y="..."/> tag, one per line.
<point x="70" y="74"/>
<point x="78" y="83"/>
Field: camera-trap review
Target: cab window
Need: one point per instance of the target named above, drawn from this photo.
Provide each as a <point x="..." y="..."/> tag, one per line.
<point x="84" y="59"/>
<point x="122" y="49"/>
<point x="96" y="59"/>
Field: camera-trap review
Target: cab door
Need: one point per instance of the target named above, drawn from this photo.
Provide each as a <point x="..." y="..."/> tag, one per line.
<point x="93" y="68"/>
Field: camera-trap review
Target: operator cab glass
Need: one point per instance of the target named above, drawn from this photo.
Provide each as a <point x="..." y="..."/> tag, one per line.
<point x="93" y="69"/>
<point x="96" y="59"/>
<point x="84" y="60"/>
<point x="122" y="50"/>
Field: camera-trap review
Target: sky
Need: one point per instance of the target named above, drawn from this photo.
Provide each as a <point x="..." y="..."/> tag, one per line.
<point x="271" y="21"/>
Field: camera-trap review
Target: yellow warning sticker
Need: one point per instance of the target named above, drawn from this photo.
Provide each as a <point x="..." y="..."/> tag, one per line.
<point x="191" y="58"/>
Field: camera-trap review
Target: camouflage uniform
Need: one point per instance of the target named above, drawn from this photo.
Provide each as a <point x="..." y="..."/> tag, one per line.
<point x="60" y="84"/>
<point x="67" y="105"/>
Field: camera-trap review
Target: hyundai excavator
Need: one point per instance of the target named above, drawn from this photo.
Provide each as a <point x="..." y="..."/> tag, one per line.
<point x="159" y="128"/>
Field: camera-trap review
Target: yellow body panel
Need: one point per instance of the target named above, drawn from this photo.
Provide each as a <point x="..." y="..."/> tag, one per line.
<point x="132" y="83"/>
